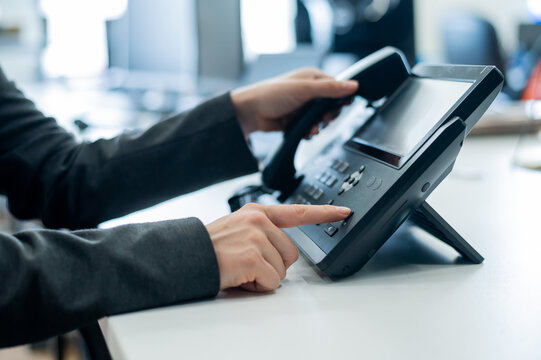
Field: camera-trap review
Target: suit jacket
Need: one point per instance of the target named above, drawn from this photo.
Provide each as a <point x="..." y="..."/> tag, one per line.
<point x="53" y="281"/>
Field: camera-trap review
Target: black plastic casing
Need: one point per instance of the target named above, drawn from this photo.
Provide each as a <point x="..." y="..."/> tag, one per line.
<point x="380" y="206"/>
<point x="378" y="75"/>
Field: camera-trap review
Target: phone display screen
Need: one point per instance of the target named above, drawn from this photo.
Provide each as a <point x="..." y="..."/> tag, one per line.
<point x="408" y="118"/>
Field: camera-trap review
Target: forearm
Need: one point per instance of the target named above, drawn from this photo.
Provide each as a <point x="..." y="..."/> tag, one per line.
<point x="46" y="174"/>
<point x="110" y="178"/>
<point x="53" y="281"/>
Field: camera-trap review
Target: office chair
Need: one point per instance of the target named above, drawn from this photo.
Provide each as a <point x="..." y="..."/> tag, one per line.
<point x="472" y="40"/>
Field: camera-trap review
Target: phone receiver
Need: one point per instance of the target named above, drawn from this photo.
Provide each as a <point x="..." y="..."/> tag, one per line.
<point x="378" y="75"/>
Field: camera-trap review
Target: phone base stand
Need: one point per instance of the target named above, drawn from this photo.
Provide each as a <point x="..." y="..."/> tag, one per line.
<point x="426" y="218"/>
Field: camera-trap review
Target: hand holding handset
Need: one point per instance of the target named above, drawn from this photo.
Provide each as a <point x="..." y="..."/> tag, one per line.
<point x="390" y="165"/>
<point x="378" y="75"/>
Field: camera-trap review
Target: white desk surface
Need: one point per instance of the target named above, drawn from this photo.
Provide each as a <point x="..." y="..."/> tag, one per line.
<point x="414" y="300"/>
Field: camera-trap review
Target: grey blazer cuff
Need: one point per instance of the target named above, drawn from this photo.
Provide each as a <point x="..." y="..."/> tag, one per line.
<point x="56" y="281"/>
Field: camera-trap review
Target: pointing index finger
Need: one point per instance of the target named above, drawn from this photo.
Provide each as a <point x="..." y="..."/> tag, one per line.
<point x="284" y="216"/>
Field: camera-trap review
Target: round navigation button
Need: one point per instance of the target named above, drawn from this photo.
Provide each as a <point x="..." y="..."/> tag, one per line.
<point x="371" y="181"/>
<point x="377" y="185"/>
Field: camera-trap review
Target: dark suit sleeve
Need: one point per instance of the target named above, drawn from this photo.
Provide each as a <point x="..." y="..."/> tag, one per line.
<point x="46" y="174"/>
<point x="54" y="281"/>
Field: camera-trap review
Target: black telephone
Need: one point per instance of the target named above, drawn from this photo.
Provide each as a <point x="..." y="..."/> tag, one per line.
<point x="391" y="163"/>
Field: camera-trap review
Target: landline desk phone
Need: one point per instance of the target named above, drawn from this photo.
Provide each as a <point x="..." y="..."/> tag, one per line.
<point x="391" y="163"/>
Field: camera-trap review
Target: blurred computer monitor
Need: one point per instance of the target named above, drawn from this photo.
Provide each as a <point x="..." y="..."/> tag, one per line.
<point x="362" y="27"/>
<point x="220" y="49"/>
<point x="171" y="45"/>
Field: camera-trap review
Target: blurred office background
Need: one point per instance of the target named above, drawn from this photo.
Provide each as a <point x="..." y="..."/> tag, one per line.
<point x="105" y="66"/>
<point x="164" y="56"/>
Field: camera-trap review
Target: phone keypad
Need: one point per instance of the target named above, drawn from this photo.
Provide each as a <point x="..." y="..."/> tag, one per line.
<point x="327" y="178"/>
<point x="351" y="180"/>
<point x="339" y="165"/>
<point x="314" y="191"/>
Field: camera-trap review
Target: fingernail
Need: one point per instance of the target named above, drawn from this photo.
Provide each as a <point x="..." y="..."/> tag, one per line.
<point x="349" y="84"/>
<point x="342" y="210"/>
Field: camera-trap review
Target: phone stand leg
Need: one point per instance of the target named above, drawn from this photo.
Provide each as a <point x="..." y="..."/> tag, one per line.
<point x="426" y="218"/>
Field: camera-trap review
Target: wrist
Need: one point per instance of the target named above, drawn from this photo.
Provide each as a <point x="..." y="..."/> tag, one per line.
<point x="243" y="103"/>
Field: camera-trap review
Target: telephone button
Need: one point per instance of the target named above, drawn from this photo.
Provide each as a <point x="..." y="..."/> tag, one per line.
<point x="310" y="190"/>
<point x="345" y="221"/>
<point x="352" y="179"/>
<point x="331" y="181"/>
<point x="371" y="181"/>
<point x="327" y="179"/>
<point x="345" y="187"/>
<point x="374" y="183"/>
<point x="317" y="194"/>
<point x="326" y="176"/>
<point x="339" y="165"/>
<point x="343" y="167"/>
<point x="314" y="192"/>
<point x="301" y="200"/>
<point x="330" y="230"/>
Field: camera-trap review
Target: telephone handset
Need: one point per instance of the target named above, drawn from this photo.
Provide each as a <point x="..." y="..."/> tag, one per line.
<point x="390" y="165"/>
<point x="378" y="75"/>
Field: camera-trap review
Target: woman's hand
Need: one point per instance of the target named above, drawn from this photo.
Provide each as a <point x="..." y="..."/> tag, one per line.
<point x="272" y="104"/>
<point x="251" y="249"/>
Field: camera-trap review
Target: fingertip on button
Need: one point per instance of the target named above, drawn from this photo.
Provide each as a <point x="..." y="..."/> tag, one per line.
<point x="342" y="210"/>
